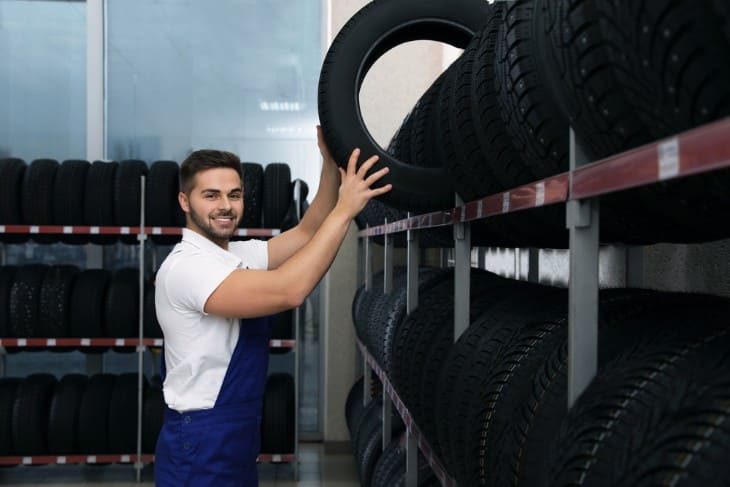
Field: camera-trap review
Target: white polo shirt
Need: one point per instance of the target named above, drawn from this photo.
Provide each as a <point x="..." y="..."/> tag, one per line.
<point x="199" y="346"/>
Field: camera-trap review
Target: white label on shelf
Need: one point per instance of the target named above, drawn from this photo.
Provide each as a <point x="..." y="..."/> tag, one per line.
<point x="51" y="342"/>
<point x="274" y="233"/>
<point x="158" y="342"/>
<point x="85" y="342"/>
<point x="94" y="230"/>
<point x="67" y="230"/>
<point x="480" y="208"/>
<point x="276" y="343"/>
<point x="91" y="459"/>
<point x="61" y="460"/>
<point x="156" y="231"/>
<point x="505" y="202"/>
<point x="540" y="195"/>
<point x="668" y="153"/>
<point x="242" y="232"/>
<point x="22" y="342"/>
<point x="124" y="231"/>
<point x="119" y="342"/>
<point x="34" y="229"/>
<point x="125" y="459"/>
<point x="27" y="460"/>
<point x="275" y="458"/>
<point x="2" y="228"/>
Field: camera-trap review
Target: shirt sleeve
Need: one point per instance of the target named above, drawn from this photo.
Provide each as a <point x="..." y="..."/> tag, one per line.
<point x="254" y="254"/>
<point x="191" y="281"/>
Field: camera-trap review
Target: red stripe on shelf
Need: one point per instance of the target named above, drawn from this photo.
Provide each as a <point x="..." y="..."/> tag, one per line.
<point x="699" y="150"/>
<point x="72" y="459"/>
<point x="72" y="342"/>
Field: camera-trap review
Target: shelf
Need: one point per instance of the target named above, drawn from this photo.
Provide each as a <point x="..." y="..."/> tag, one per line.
<point x="411" y="425"/>
<point x="89" y="230"/>
<point x="105" y="342"/>
<point x="71" y="459"/>
<point x="695" y="151"/>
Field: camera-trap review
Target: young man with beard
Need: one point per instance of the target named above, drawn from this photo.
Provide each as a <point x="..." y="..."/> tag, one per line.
<point x="213" y="298"/>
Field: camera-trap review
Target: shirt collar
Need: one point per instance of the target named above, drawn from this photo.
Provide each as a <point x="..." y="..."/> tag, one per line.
<point x="201" y="242"/>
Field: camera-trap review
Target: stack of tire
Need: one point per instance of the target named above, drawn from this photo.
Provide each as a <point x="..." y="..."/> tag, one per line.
<point x="278" y="421"/>
<point x="42" y="415"/>
<point x="493" y="405"/>
<point x="61" y="301"/>
<point x="108" y="193"/>
<point x="621" y="74"/>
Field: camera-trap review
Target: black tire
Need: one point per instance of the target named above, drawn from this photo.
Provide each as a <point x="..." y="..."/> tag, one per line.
<point x="123" y="413"/>
<point x="7" y="278"/>
<point x="152" y="418"/>
<point x="371" y="447"/>
<point x="122" y="304"/>
<point x="55" y="301"/>
<point x="277" y="194"/>
<point x="12" y="171"/>
<point x="99" y="202"/>
<point x="68" y="197"/>
<point x="128" y="192"/>
<point x="94" y="415"/>
<point x="8" y="392"/>
<point x="391" y="461"/>
<point x="162" y="207"/>
<point x="277" y="423"/>
<point x="372" y="409"/>
<point x="37" y="196"/>
<point x="353" y="404"/>
<point x="376" y="28"/>
<point x="25" y="301"/>
<point x="63" y="416"/>
<point x="253" y="189"/>
<point x="151" y="324"/>
<point x="30" y="414"/>
<point x="88" y="298"/>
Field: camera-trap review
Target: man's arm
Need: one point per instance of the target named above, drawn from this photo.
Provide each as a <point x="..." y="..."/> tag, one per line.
<point x="252" y="293"/>
<point x="285" y="245"/>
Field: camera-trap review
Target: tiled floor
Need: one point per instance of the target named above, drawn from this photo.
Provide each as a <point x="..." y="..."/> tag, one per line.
<point x="315" y="469"/>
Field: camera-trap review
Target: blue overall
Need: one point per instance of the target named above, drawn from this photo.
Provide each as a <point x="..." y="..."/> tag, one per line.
<point x="219" y="446"/>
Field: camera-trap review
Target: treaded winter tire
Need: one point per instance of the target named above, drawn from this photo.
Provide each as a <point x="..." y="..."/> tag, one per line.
<point x="25" y="301"/>
<point x="12" y="171"/>
<point x="55" y="301"/>
<point x="8" y="388"/>
<point x="253" y="189"/>
<point x="68" y="197"/>
<point x="122" y="304"/>
<point x="99" y="202"/>
<point x="30" y="414"/>
<point x="353" y="404"/>
<point x="7" y="278"/>
<point x="375" y="29"/>
<point x="94" y="415"/>
<point x="87" y="303"/>
<point x="277" y="423"/>
<point x="162" y="208"/>
<point x="63" y="416"/>
<point x="37" y="196"/>
<point x="277" y="194"/>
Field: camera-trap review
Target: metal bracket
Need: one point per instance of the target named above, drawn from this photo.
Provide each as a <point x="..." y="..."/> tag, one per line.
<point x="411" y="460"/>
<point x="462" y="275"/>
<point x="387" y="263"/>
<point x="414" y="255"/>
<point x="368" y="263"/>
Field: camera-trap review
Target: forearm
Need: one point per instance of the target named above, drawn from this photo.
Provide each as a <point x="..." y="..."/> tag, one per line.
<point x="324" y="201"/>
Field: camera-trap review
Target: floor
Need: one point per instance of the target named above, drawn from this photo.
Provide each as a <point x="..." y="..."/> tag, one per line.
<point x="315" y="469"/>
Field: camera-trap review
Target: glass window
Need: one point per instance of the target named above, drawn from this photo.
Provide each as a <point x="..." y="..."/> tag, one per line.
<point x="43" y="79"/>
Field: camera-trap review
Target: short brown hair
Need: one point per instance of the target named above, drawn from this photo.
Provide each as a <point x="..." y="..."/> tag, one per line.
<point x="202" y="160"/>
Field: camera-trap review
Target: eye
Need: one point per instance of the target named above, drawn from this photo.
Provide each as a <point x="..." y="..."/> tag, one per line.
<point x="236" y="196"/>
<point x="209" y="196"/>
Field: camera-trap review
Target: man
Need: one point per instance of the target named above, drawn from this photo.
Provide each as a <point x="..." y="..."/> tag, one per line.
<point x="215" y="365"/>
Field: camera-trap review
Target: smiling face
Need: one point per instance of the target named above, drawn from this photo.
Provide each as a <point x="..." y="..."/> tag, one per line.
<point x="214" y="205"/>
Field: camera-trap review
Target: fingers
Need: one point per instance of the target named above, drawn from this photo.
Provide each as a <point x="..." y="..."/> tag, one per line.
<point x="366" y="166"/>
<point x="382" y="190"/>
<point x="352" y="163"/>
<point x="376" y="175"/>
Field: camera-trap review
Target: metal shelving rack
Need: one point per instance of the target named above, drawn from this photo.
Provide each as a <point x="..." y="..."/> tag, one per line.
<point x="699" y="150"/>
<point x="141" y="344"/>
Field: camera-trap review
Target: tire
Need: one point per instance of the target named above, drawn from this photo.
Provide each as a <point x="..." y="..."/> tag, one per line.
<point x="7" y="278"/>
<point x="30" y="414"/>
<point x="128" y="192"/>
<point x="94" y="415"/>
<point x="353" y="404"/>
<point x="162" y="208"/>
<point x="99" y="202"/>
<point x="12" y="171"/>
<point x="152" y="418"/>
<point x="68" y="197"/>
<point x="88" y="298"/>
<point x="277" y="194"/>
<point x="25" y="301"/>
<point x="376" y="28"/>
<point x="253" y="187"/>
<point x="151" y="324"/>
<point x="55" y="301"/>
<point x="122" y="304"/>
<point x="123" y="413"/>
<point x="63" y="416"/>
<point x="37" y="196"/>
<point x="277" y="424"/>
<point x="372" y="447"/>
<point x="8" y="392"/>
<point x="391" y="461"/>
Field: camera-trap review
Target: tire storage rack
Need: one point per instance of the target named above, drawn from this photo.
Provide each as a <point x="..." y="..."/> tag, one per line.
<point x="142" y="232"/>
<point x="700" y="150"/>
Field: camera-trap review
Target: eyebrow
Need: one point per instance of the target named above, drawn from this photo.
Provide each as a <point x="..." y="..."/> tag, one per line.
<point x="216" y="191"/>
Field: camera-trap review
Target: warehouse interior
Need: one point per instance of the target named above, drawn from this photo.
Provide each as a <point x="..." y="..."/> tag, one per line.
<point x="450" y="350"/>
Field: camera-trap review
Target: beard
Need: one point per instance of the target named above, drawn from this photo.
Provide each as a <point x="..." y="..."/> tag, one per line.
<point x="206" y="226"/>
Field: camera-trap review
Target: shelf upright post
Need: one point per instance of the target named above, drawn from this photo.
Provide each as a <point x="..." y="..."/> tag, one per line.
<point x="297" y="356"/>
<point x="368" y="271"/>
<point x="3" y="262"/>
<point x="387" y="289"/>
<point x="141" y="237"/>
<point x="582" y="218"/>
<point x="462" y="272"/>
<point x="414" y="254"/>
<point x="533" y="269"/>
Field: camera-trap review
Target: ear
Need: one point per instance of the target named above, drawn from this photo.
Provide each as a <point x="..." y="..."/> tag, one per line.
<point x="182" y="198"/>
